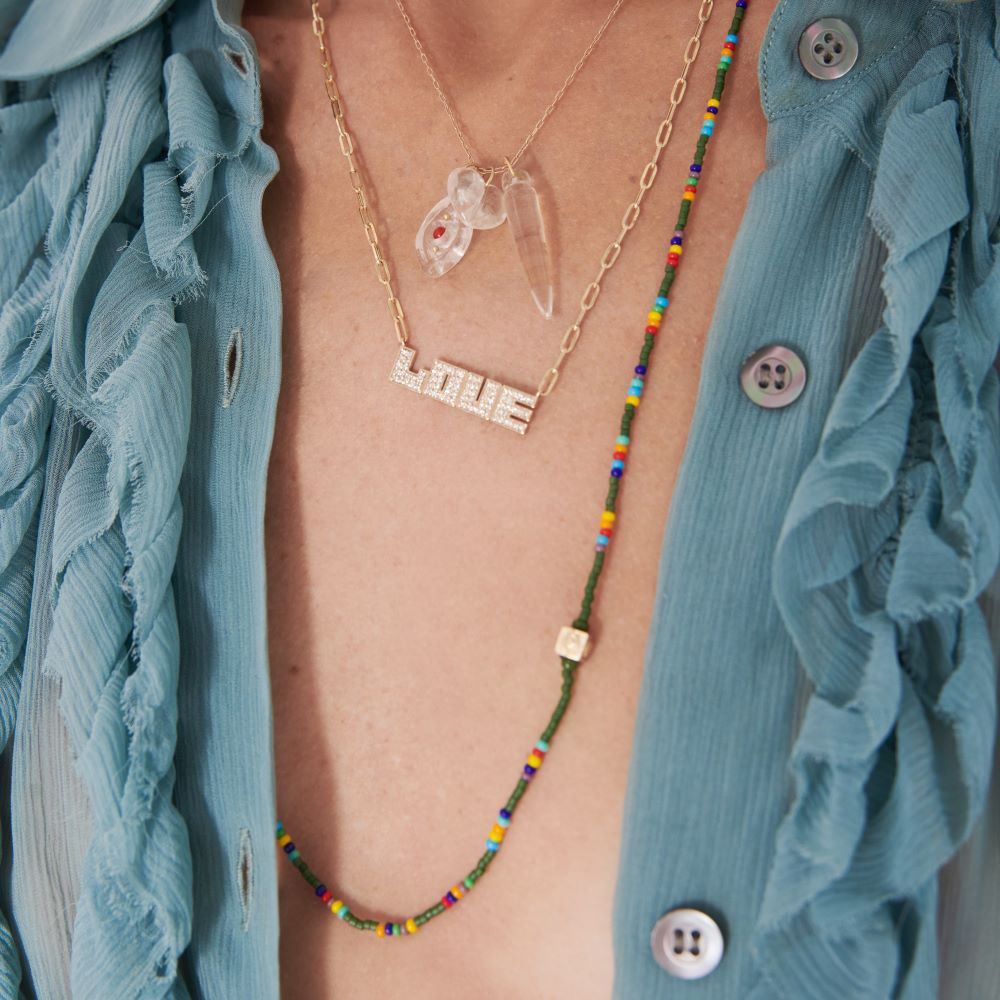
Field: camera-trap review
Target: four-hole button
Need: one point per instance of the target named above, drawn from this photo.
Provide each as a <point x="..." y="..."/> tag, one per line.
<point x="687" y="943"/>
<point x="828" y="48"/>
<point x="773" y="376"/>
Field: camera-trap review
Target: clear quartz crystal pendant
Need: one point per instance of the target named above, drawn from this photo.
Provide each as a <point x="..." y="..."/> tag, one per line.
<point x="466" y="188"/>
<point x="520" y="201"/>
<point x="442" y="239"/>
<point x="490" y="213"/>
<point x="477" y="203"/>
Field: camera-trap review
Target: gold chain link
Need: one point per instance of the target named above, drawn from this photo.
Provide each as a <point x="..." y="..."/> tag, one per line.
<point x="590" y="295"/>
<point x="512" y="160"/>
<point x="631" y="216"/>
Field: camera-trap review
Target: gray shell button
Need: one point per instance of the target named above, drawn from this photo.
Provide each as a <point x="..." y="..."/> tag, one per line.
<point x="687" y="943"/>
<point x="773" y="377"/>
<point x="828" y="48"/>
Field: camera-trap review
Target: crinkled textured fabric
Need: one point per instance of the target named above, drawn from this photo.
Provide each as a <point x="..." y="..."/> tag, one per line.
<point x="813" y="751"/>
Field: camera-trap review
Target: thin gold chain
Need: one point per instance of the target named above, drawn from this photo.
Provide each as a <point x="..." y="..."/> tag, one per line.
<point x="466" y="145"/>
<point x="589" y="299"/>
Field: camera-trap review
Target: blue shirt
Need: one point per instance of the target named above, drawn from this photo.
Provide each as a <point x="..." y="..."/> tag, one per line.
<point x="813" y="750"/>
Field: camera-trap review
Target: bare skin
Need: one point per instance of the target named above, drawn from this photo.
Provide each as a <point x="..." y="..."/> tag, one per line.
<point x="420" y="561"/>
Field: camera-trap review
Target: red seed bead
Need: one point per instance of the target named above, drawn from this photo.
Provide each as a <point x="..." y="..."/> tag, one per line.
<point x="447" y="901"/>
<point x="326" y="897"/>
<point x="619" y="454"/>
<point x="606" y="532"/>
<point x="653" y="330"/>
<point x="439" y="232"/>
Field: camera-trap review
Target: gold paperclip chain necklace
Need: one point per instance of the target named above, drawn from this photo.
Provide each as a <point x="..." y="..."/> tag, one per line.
<point x="500" y="404"/>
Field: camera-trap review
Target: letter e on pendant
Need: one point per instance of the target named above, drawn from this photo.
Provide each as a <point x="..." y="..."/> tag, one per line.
<point x="514" y="409"/>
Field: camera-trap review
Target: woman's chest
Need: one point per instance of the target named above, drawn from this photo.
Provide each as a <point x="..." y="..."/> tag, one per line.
<point x="421" y="561"/>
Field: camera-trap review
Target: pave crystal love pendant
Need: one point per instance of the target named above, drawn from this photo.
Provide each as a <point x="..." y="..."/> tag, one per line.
<point x="454" y="386"/>
<point x="446" y="232"/>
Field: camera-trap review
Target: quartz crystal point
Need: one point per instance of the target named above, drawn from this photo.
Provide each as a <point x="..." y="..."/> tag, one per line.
<point x="520" y="201"/>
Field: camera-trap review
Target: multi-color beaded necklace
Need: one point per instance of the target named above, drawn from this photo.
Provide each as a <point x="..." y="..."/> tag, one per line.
<point x="573" y="642"/>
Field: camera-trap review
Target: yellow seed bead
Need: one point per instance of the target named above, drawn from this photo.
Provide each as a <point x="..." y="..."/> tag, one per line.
<point x="688" y="196"/>
<point x="608" y="517"/>
<point x="655" y="318"/>
<point x="708" y="116"/>
<point x="380" y="930"/>
<point x="676" y="248"/>
<point x="284" y="839"/>
<point x="411" y="926"/>
<point x="456" y="892"/>
<point x="634" y="400"/>
<point x="713" y="102"/>
<point x="535" y="761"/>
<point x="497" y="832"/>
<point x="335" y="905"/>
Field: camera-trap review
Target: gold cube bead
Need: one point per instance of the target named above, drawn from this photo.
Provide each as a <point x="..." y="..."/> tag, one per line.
<point x="573" y="643"/>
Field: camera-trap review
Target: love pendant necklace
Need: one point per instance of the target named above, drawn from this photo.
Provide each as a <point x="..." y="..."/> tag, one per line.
<point x="474" y="202"/>
<point x="573" y="641"/>
<point x="466" y="391"/>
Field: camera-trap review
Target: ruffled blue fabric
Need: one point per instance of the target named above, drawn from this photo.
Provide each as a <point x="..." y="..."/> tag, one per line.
<point x="892" y="760"/>
<point x="88" y="325"/>
<point x="25" y="407"/>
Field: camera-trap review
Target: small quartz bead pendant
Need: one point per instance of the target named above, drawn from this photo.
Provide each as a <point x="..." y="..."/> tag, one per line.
<point x="466" y="188"/>
<point x="478" y="205"/>
<point x="573" y="643"/>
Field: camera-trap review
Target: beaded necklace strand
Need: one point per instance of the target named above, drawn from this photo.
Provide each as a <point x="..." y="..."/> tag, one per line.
<point x="573" y="640"/>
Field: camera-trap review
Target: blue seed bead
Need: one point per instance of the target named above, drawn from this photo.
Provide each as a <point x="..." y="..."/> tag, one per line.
<point x="294" y="855"/>
<point x="388" y="930"/>
<point x="450" y="896"/>
<point x="640" y="369"/>
<point x="725" y="59"/>
<point x="617" y="464"/>
<point x="320" y="889"/>
<point x="289" y="847"/>
<point x="617" y="473"/>
<point x="732" y="38"/>
<point x="543" y="745"/>
<point x="501" y="821"/>
<point x="713" y="111"/>
<point x="621" y="439"/>
<point x="695" y="168"/>
<point x="602" y="539"/>
<point x="661" y="300"/>
<point x="504" y="814"/>
<point x="741" y="3"/>
<point x="491" y="845"/>
<point x="528" y="769"/>
<point x="280" y="828"/>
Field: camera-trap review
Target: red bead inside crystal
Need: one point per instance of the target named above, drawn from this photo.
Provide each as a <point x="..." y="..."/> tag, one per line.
<point x="438" y="233"/>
